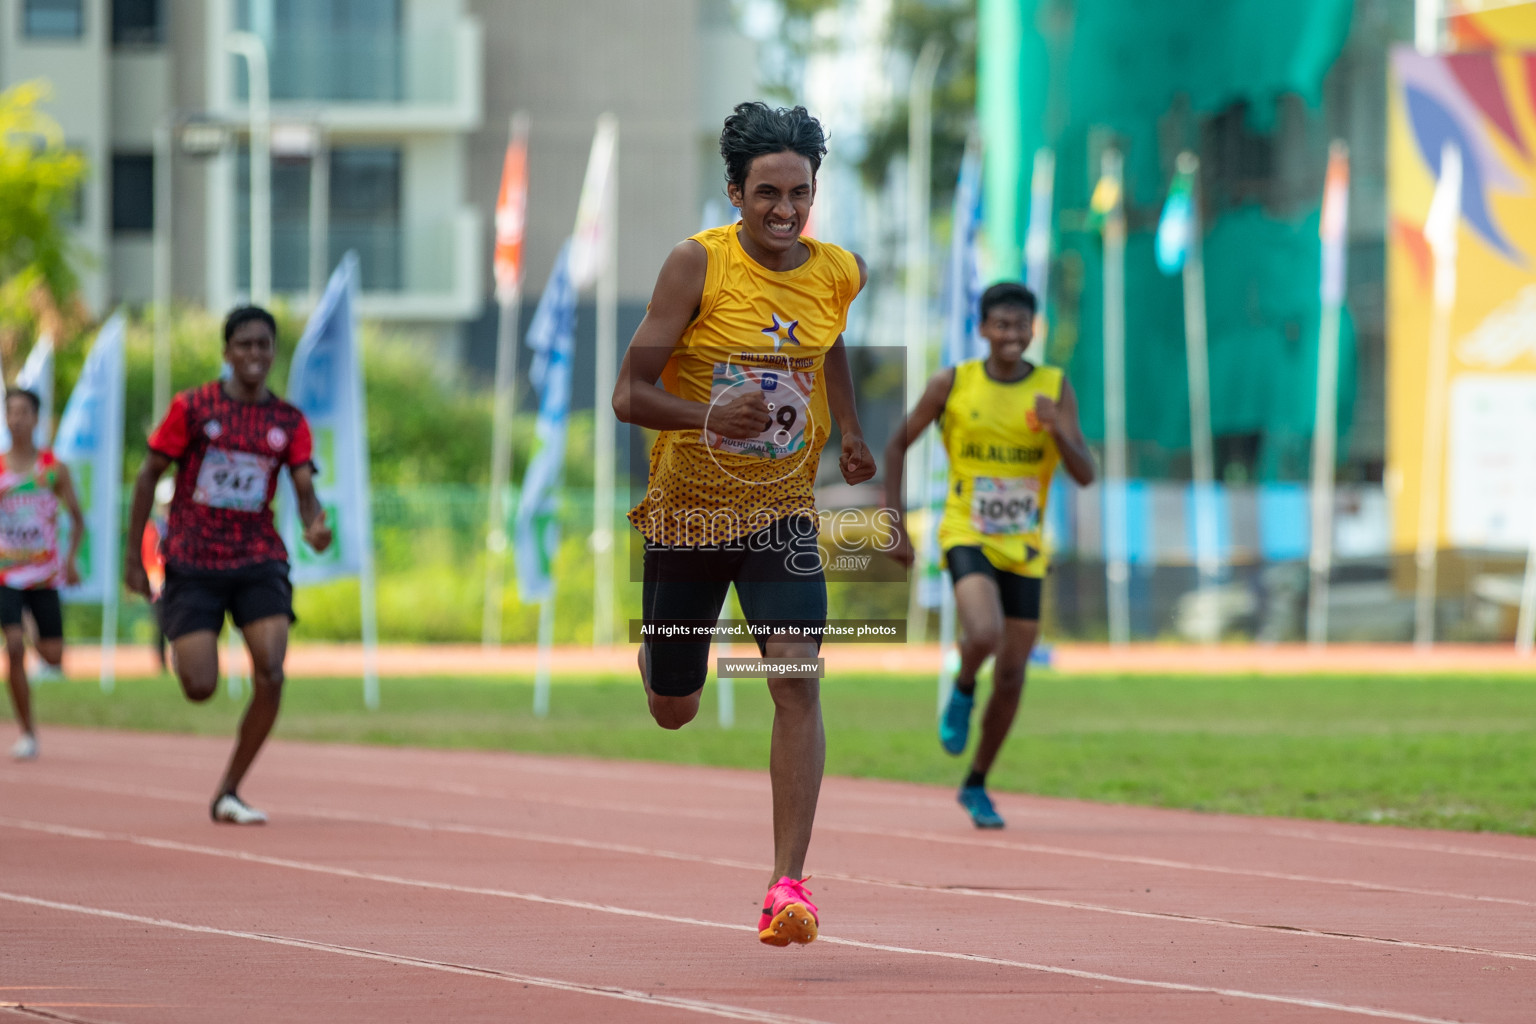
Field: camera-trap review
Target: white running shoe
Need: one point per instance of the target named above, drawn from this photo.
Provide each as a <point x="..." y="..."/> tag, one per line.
<point x="41" y="671"/>
<point x="231" y="809"/>
<point x="25" y="749"/>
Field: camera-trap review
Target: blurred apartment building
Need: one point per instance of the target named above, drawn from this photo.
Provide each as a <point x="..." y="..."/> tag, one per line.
<point x="389" y="119"/>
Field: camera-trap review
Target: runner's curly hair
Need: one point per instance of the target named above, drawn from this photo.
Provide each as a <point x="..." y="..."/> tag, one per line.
<point x="755" y="129"/>
<point x="1007" y="293"/>
<point x="245" y="314"/>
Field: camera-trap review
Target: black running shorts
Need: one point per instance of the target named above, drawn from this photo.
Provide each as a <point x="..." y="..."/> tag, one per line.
<point x="779" y="582"/>
<point x="43" y="603"/>
<point x="1020" y="594"/>
<point x="197" y="599"/>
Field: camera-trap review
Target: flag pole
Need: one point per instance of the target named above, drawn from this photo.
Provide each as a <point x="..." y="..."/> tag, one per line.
<point x="1117" y="527"/>
<point x="546" y="641"/>
<point x="1440" y="230"/>
<point x="504" y="408"/>
<point x="1037" y="245"/>
<point x="919" y="199"/>
<point x="604" y="426"/>
<point x="1525" y="628"/>
<point x="108" y="545"/>
<point x="1325" y="410"/>
<point x="1197" y="361"/>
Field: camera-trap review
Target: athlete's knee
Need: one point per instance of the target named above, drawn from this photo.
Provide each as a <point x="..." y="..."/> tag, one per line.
<point x="981" y="640"/>
<point x="795" y="696"/>
<point x="15" y="648"/>
<point x="51" y="651"/>
<point x="198" y="685"/>
<point x="674" y="712"/>
<point x="268" y="682"/>
<point x="1008" y="676"/>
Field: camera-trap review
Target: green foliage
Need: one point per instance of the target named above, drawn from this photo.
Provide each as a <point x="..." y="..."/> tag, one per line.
<point x="39" y="177"/>
<point x="913" y="24"/>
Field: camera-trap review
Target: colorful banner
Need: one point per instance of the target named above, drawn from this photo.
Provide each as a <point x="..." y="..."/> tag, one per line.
<point x="594" y="210"/>
<point x="1332" y="225"/>
<point x="1484" y="105"/>
<point x="90" y="443"/>
<point x="1176" y="226"/>
<point x="511" y="214"/>
<point x="325" y="381"/>
<point x="551" y="337"/>
<point x="36" y="376"/>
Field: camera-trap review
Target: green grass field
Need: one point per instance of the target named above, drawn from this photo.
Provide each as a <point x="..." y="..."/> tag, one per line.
<point x="1423" y="752"/>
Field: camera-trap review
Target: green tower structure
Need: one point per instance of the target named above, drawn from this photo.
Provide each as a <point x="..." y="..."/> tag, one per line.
<point x="1241" y="83"/>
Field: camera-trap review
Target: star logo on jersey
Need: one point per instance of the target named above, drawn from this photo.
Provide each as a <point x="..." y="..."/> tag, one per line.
<point x="782" y="332"/>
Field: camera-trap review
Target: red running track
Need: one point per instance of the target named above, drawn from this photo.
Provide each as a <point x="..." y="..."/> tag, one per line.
<point x="412" y="885"/>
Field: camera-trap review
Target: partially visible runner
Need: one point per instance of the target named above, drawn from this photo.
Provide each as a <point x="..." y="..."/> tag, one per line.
<point x="229" y="440"/>
<point x="744" y="335"/>
<point x="1006" y="423"/>
<point x="153" y="556"/>
<point x="32" y="484"/>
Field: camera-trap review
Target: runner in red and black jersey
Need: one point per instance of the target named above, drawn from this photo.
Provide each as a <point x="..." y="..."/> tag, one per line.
<point x="229" y="440"/>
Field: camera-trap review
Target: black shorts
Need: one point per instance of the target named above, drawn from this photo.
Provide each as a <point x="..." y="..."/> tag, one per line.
<point x="1020" y="594"/>
<point x="779" y="582"/>
<point x="195" y="599"/>
<point x="43" y="603"/>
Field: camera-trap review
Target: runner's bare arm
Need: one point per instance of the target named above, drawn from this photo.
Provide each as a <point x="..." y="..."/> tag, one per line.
<point x="1060" y="418"/>
<point x="637" y="398"/>
<point x="134" y="577"/>
<point x="64" y="488"/>
<point x="857" y="462"/>
<point x="928" y="408"/>
<point x="317" y="533"/>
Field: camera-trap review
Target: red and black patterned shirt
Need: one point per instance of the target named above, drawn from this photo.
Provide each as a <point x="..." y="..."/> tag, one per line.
<point x="228" y="456"/>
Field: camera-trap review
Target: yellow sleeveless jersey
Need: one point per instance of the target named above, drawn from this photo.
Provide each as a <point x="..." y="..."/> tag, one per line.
<point x="1000" y="466"/>
<point x="756" y="329"/>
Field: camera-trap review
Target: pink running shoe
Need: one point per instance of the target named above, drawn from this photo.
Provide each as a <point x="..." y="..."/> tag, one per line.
<point x="788" y="913"/>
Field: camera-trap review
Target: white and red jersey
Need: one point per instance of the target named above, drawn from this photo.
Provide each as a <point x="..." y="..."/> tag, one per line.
<point x="29" y="526"/>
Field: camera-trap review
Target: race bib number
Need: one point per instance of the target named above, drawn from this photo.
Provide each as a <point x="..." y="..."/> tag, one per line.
<point x="234" y="480"/>
<point x="1002" y="505"/>
<point x="788" y="396"/>
<point x="24" y="532"/>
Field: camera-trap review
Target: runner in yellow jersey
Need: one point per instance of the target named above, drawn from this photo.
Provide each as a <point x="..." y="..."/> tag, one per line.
<point x="739" y="363"/>
<point x="1006" y="423"/>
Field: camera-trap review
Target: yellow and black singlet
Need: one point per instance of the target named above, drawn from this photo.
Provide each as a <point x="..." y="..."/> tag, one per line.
<point x="1000" y="466"/>
<point x="756" y="329"/>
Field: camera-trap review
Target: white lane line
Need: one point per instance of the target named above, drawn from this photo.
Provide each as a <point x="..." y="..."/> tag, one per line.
<point x="1388" y="844"/>
<point x="606" y="908"/>
<point x="712" y="1009"/>
<point x="518" y="835"/>
<point x="557" y="765"/>
<point x="652" y="811"/>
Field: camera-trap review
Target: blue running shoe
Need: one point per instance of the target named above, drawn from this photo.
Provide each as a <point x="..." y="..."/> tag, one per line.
<point x="955" y="723"/>
<point x="975" y="800"/>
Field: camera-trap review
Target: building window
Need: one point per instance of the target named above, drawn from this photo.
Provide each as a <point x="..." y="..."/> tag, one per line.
<point x="364" y="215"/>
<point x="137" y="22"/>
<point x="133" y="192"/>
<point x="53" y="19"/>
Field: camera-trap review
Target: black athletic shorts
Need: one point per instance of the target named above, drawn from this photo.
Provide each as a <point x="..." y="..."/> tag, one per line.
<point x="1020" y="594"/>
<point x="43" y="603"/>
<point x="779" y="582"/>
<point x="195" y="599"/>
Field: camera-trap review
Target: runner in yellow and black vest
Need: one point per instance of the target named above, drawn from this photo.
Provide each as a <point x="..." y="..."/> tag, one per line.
<point x="1006" y="424"/>
<point x="739" y="363"/>
<point x="33" y="484"/>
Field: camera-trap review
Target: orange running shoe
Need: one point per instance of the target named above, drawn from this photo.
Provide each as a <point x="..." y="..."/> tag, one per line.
<point x="788" y="913"/>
